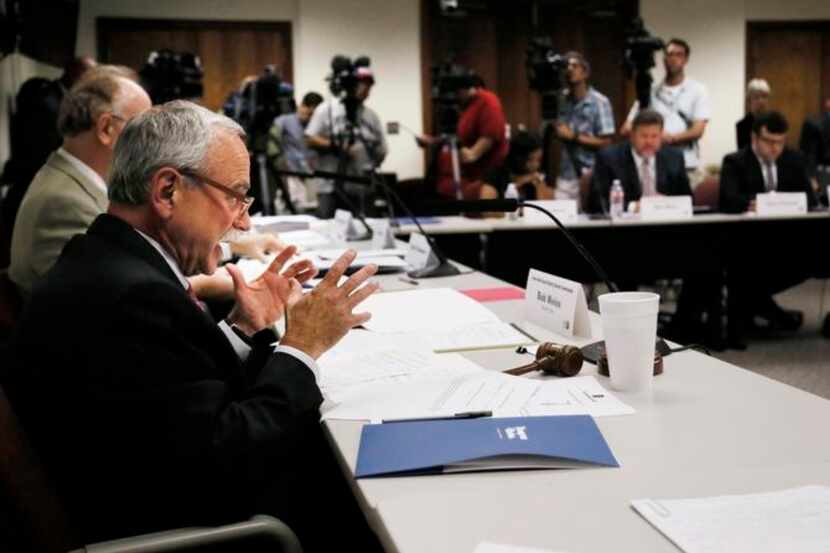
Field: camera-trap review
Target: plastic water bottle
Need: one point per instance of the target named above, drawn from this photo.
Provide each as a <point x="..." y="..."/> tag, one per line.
<point x="616" y="200"/>
<point x="512" y="193"/>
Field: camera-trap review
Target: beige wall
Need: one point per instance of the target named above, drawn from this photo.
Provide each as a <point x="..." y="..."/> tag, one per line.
<point x="716" y="31"/>
<point x="386" y="30"/>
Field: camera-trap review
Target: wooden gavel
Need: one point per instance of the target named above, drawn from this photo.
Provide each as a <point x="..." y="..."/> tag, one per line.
<point x="553" y="359"/>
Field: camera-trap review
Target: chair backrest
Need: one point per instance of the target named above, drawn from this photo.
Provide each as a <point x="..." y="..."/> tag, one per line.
<point x="39" y="520"/>
<point x="708" y="192"/>
<point x="10" y="305"/>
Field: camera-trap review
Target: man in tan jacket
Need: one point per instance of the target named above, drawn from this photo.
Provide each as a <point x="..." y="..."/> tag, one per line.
<point x="70" y="189"/>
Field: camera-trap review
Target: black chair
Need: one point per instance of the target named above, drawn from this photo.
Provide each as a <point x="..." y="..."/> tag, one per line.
<point x="32" y="517"/>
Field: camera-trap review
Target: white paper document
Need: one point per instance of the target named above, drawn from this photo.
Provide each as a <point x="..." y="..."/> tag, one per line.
<point x="342" y="376"/>
<point x="504" y="395"/>
<point x="793" y="520"/>
<point x="334" y="253"/>
<point x="430" y="309"/>
<point x="305" y="239"/>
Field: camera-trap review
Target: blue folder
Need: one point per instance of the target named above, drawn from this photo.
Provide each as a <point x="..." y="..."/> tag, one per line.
<point x="429" y="447"/>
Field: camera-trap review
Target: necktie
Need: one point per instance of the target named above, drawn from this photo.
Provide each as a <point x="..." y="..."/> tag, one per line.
<point x="647" y="179"/>
<point x="772" y="185"/>
<point x="195" y="299"/>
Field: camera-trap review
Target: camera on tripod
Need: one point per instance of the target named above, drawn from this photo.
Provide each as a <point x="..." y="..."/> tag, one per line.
<point x="545" y="70"/>
<point x="447" y="79"/>
<point x="169" y="75"/>
<point x="261" y="101"/>
<point x="640" y="47"/>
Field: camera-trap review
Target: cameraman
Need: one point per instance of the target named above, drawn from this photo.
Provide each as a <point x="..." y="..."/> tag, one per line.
<point x="328" y="133"/>
<point x="684" y="104"/>
<point x="482" y="139"/>
<point x="287" y="148"/>
<point x="585" y="124"/>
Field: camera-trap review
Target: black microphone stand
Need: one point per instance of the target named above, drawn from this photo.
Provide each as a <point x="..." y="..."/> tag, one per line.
<point x="444" y="267"/>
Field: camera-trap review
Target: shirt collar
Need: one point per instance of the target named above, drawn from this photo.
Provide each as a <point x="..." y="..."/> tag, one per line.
<point x="761" y="161"/>
<point x="168" y="258"/>
<point x="84" y="169"/>
<point x="638" y="159"/>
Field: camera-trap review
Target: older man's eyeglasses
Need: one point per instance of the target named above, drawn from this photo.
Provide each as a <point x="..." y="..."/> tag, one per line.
<point x="238" y="200"/>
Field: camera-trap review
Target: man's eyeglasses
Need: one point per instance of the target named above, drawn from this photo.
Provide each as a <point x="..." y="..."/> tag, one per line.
<point x="239" y="201"/>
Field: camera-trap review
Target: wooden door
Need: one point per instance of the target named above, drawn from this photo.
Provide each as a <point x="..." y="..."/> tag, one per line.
<point x="229" y="51"/>
<point x="795" y="59"/>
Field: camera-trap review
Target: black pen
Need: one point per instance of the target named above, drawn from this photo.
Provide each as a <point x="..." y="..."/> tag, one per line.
<point x="463" y="415"/>
<point x="409" y="281"/>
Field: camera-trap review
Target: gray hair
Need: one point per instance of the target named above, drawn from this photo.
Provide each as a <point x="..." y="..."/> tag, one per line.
<point x="176" y="134"/>
<point x="100" y="90"/>
<point x="757" y="86"/>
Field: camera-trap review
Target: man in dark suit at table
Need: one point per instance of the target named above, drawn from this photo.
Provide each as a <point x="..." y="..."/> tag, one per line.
<point x="643" y="166"/>
<point x="147" y="413"/>
<point x="767" y="165"/>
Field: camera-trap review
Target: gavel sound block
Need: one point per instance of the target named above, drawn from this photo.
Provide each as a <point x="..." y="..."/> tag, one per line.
<point x="553" y="359"/>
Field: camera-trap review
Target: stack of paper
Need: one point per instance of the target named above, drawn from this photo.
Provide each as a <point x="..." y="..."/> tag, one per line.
<point x="346" y="375"/>
<point x="504" y="395"/>
<point x="441" y="320"/>
<point x="789" y="520"/>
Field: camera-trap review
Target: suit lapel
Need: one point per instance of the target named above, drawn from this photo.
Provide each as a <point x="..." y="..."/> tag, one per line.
<point x="661" y="170"/>
<point x="632" y="175"/>
<point x="57" y="162"/>
<point x="755" y="173"/>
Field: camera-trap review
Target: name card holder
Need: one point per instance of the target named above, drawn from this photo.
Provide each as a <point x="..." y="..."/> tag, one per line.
<point x="781" y="203"/>
<point x="564" y="210"/>
<point x="666" y="207"/>
<point x="556" y="304"/>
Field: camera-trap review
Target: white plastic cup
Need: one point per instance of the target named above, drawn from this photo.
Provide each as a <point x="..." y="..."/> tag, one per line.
<point x="629" y="324"/>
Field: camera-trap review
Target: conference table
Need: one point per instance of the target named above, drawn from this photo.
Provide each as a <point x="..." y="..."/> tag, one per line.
<point x="709" y="428"/>
<point x="704" y="245"/>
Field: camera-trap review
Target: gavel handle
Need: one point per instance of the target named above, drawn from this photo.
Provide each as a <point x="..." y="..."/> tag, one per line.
<point x="524" y="369"/>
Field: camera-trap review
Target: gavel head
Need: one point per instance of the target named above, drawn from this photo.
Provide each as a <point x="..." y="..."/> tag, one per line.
<point x="559" y="360"/>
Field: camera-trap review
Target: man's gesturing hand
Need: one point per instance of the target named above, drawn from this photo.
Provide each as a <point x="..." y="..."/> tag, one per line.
<point x="318" y="320"/>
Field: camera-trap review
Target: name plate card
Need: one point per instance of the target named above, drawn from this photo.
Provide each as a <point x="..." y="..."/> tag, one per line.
<point x="382" y="236"/>
<point x="666" y="207"/>
<point x="781" y="203"/>
<point x="419" y="255"/>
<point x="556" y="304"/>
<point x="344" y="228"/>
<point x="564" y="210"/>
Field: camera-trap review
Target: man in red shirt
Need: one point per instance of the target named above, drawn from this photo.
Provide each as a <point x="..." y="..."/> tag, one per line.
<point x="482" y="140"/>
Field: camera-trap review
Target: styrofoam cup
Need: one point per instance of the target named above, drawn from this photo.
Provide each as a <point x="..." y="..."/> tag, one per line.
<point x="629" y="324"/>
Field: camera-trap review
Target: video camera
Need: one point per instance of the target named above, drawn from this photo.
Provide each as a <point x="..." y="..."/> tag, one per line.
<point x="640" y="47"/>
<point x="260" y="102"/>
<point x="169" y="75"/>
<point x="545" y="69"/>
<point x="447" y="79"/>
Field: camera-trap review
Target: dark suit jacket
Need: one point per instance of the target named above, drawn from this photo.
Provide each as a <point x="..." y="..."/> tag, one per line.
<point x="743" y="131"/>
<point x="815" y="141"/>
<point x="741" y="178"/>
<point x="617" y="162"/>
<point x="137" y="402"/>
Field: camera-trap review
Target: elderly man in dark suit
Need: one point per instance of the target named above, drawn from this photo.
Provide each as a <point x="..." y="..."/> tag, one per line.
<point x="643" y="166"/>
<point x="767" y="165"/>
<point x="150" y="414"/>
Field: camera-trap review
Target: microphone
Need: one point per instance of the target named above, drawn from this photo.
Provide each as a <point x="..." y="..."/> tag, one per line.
<point x="510" y="205"/>
<point x="592" y="352"/>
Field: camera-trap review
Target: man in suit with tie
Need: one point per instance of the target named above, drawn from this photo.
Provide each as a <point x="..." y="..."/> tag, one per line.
<point x="767" y="165"/>
<point x="69" y="191"/>
<point x="147" y="412"/>
<point x="642" y="165"/>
